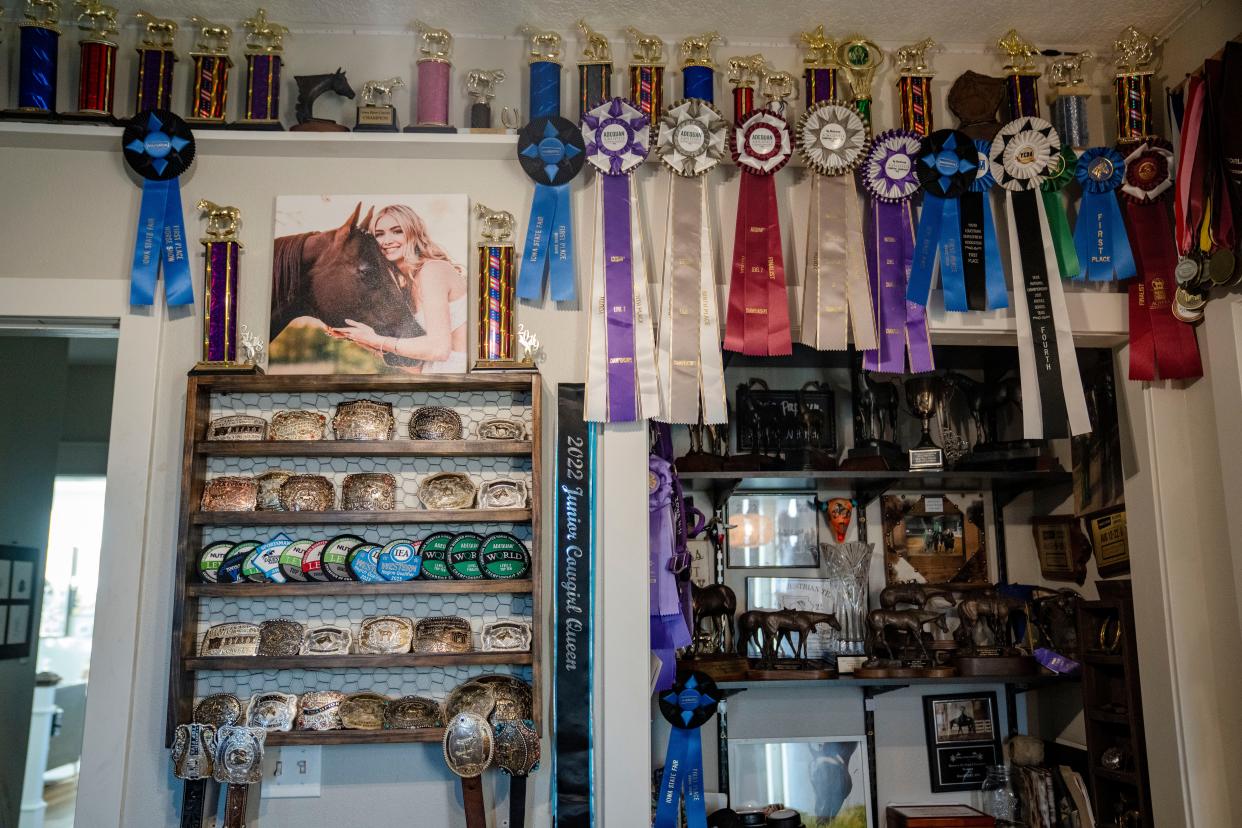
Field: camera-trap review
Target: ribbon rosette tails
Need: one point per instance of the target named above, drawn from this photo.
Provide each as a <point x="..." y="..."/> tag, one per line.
<point x="1061" y="172"/>
<point x="691" y="141"/>
<point x="1100" y="237"/>
<point x="981" y="259"/>
<point x="889" y="175"/>
<point x="551" y="151"/>
<point x="688" y="706"/>
<point x="1053" y="403"/>
<point x="159" y="147"/>
<point x="757" y="321"/>
<point x="621" y="373"/>
<point x="832" y="139"/>
<point x="946" y="166"/>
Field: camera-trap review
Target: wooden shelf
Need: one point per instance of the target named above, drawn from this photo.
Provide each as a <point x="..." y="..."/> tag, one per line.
<point x="360" y="518"/>
<point x="1104" y="659"/>
<point x="354" y="737"/>
<point x="361" y="383"/>
<point x="1124" y="777"/>
<point x="362" y="661"/>
<point x="851" y="681"/>
<point x="307" y="590"/>
<point x="363" y="448"/>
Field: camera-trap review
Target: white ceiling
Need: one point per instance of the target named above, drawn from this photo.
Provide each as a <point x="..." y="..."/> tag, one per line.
<point x="1048" y="24"/>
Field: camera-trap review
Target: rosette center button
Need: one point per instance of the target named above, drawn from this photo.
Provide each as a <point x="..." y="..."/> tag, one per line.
<point x="833" y="136"/>
<point x="551" y="150"/>
<point x="157" y="144"/>
<point x="691" y="138"/>
<point x="897" y="166"/>
<point x="763" y="142"/>
<point x="615" y="136"/>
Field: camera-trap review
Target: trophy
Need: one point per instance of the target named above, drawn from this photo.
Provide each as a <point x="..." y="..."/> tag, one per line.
<point x="821" y="68"/>
<point x="97" y="64"/>
<point x="594" y="70"/>
<point x="37" y="61"/>
<point x="265" y="43"/>
<point x="434" y="71"/>
<point x="497" y="337"/>
<point x="544" y="58"/>
<point x="481" y="86"/>
<point x="310" y="88"/>
<point x="875" y="425"/>
<point x="914" y="87"/>
<point x="221" y="249"/>
<point x="1136" y="62"/>
<point x="1021" y="76"/>
<point x="376" y="112"/>
<point x="861" y="59"/>
<point x="745" y="72"/>
<point x="1068" y="98"/>
<point x="698" y="70"/>
<point x="209" y="92"/>
<point x="923" y="395"/>
<point x="646" y="73"/>
<point x="156" y="60"/>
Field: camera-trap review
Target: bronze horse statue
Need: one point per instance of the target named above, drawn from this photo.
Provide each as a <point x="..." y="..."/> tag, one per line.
<point x="311" y="87"/>
<point x="986" y="401"/>
<point x="715" y="604"/>
<point x="880" y="621"/>
<point x="340" y="274"/>
<point x="782" y="624"/>
<point x="877" y="408"/>
<point x="916" y="595"/>
<point x="993" y="610"/>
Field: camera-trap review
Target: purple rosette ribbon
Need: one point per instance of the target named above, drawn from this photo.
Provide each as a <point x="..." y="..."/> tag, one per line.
<point x="668" y="626"/>
<point x="1100" y="237"/>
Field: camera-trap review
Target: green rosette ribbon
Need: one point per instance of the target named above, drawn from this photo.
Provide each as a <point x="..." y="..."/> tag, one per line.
<point x="1060" y="173"/>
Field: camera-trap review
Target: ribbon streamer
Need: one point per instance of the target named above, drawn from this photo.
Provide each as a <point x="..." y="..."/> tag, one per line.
<point x="1061" y="173"/>
<point x="945" y="166"/>
<point x="551" y="151"/>
<point x="669" y="631"/>
<point x="1100" y="237"/>
<point x="687" y="706"/>
<point x="981" y="260"/>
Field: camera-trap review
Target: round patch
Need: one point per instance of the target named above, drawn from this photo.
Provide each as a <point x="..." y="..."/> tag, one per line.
<point x="463" y="556"/>
<point x="291" y="560"/>
<point x="832" y="138"/>
<point x="691" y="702"/>
<point x="983" y="171"/>
<point x="1061" y="171"/>
<point x="336" y="557"/>
<point x="209" y="561"/>
<point x="888" y="169"/>
<point x="364" y="563"/>
<point x="947" y="163"/>
<point x="1100" y="170"/>
<point x="616" y="135"/>
<point x="551" y="150"/>
<point x="157" y="145"/>
<point x="434" y="550"/>
<point x="312" y="562"/>
<point x="399" y="560"/>
<point x="691" y="137"/>
<point x="1022" y="153"/>
<point x="503" y="556"/>
<point x="762" y="144"/>
<point x="1148" y="172"/>
<point x="231" y="566"/>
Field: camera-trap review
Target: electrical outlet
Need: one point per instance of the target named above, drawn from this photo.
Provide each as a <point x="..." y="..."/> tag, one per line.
<point x="292" y="771"/>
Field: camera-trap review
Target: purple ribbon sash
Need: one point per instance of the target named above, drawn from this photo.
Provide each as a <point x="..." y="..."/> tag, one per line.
<point x="619" y="299"/>
<point x="901" y="324"/>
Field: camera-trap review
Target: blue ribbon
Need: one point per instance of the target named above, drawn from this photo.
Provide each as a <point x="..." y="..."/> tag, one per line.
<point x="549" y="247"/>
<point x="1100" y="237"/>
<point x="683" y="778"/>
<point x="939" y="236"/>
<point x="998" y="296"/>
<point x="161" y="227"/>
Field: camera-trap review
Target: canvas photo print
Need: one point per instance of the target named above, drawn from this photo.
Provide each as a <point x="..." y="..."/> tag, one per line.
<point x="823" y="778"/>
<point x="368" y="284"/>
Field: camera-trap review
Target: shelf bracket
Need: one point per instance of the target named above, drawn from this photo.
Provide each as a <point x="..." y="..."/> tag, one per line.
<point x="867" y="491"/>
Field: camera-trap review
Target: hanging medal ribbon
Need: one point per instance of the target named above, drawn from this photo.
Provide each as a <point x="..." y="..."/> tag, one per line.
<point x="573" y="649"/>
<point x="691" y="141"/>
<point x="551" y="151"/>
<point x="832" y="140"/>
<point x="981" y="260"/>
<point x="159" y="147"/>
<point x="757" y="321"/>
<point x="1060" y="173"/>
<point x="1100" y="238"/>
<point x="688" y="706"/>
<point x="621" y="373"/>
<point x="946" y="166"/>
<point x="1053" y="402"/>
<point x="888" y="173"/>
<point x="1161" y="346"/>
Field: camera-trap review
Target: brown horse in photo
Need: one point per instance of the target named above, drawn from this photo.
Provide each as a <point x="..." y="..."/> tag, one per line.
<point x="340" y="274"/>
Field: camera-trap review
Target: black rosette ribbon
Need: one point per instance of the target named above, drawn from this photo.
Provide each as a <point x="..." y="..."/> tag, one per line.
<point x="688" y="706"/>
<point x="945" y="165"/>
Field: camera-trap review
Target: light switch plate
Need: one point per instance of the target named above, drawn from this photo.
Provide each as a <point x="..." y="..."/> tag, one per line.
<point x="292" y="771"/>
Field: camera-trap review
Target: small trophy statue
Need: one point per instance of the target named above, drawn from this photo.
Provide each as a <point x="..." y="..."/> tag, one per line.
<point x="778" y="89"/>
<point x="543" y="57"/>
<point x="481" y="86"/>
<point x="594" y="70"/>
<point x="1068" y="98"/>
<point x="821" y="68"/>
<point x="698" y="69"/>
<point x="310" y="87"/>
<point x="646" y="73"/>
<point x="156" y="60"/>
<point x="861" y="59"/>
<point x="1021" y="76"/>
<point x="531" y="349"/>
<point x="745" y="73"/>
<point x="914" y="87"/>
<point x="376" y="112"/>
<point x="209" y="88"/>
<point x="97" y="67"/>
<point x="434" y="71"/>
<point x="497" y="287"/>
<point x="265" y="44"/>
<point x="221" y="250"/>
<point x="923" y="393"/>
<point x="1134" y="55"/>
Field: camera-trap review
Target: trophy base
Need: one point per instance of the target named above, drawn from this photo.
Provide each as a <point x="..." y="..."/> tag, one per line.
<point x="875" y="455"/>
<point x="503" y="365"/>
<point x="214" y="368"/>
<point x="699" y="461"/>
<point x="319" y="125"/>
<point x="926" y="459"/>
<point x="1002" y="665"/>
<point x="720" y="667"/>
<point x="1011" y="455"/>
<point x="376" y="128"/>
<point x="753" y="461"/>
<point x="105" y="118"/>
<point x="430" y="128"/>
<point x="209" y="123"/>
<point x="376" y="119"/>
<point x="813" y="459"/>
<point x="34" y="116"/>
<point x="792" y="670"/>
<point x="258" y="126"/>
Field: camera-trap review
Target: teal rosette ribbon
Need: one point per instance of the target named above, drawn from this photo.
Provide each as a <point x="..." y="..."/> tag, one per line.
<point x="1100" y="237"/>
<point x="1061" y="173"/>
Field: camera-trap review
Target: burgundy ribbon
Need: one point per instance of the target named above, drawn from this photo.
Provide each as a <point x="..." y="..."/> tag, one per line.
<point x="1160" y="344"/>
<point x="757" y="323"/>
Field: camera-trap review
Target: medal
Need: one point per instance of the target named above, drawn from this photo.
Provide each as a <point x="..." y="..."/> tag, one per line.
<point x="946" y="166"/>
<point x="1100" y="238"/>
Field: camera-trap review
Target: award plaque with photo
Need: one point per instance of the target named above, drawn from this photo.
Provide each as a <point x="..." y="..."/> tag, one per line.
<point x="962" y="740"/>
<point x="934" y="539"/>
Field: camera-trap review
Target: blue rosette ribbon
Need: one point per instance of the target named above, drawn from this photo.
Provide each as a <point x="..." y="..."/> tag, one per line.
<point x="159" y="146"/>
<point x="981" y="258"/>
<point x="1100" y="237"/>
<point x="688" y="706"/>
<point x="551" y="151"/>
<point x="945" y="165"/>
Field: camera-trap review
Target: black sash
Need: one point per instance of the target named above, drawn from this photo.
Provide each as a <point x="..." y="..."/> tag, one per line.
<point x="974" y="265"/>
<point x="572" y="703"/>
<point x="1039" y="308"/>
<point x="1229" y="124"/>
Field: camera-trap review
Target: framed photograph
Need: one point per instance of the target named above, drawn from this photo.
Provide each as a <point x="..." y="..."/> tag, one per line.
<point x="772" y="530"/>
<point x="823" y="778"/>
<point x="1062" y="548"/>
<point x="1099" y="483"/>
<point x="810" y="594"/>
<point x="783" y="421"/>
<point x="369" y="284"/>
<point x="1108" y="538"/>
<point x="20" y="580"/>
<point x="934" y="539"/>
<point x="963" y="739"/>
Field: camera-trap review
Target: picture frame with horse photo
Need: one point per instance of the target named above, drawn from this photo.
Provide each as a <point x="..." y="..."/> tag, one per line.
<point x="963" y="739"/>
<point x="938" y="540"/>
<point x="370" y="284"/>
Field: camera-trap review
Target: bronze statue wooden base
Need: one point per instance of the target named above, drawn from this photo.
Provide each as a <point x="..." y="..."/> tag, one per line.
<point x="258" y="126"/>
<point x="1002" y="665"/>
<point x="811" y="670"/>
<point x="876" y="455"/>
<point x="699" y="461"/>
<point x="719" y="667"/>
<point x="319" y="125"/>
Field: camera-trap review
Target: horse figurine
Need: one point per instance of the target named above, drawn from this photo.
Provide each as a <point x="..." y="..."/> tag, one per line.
<point x="1019" y="50"/>
<point x="497" y="224"/>
<point x="714" y="604"/>
<point x="263" y="35"/>
<point x="782" y="624"/>
<point x="986" y="402"/>
<point x="596" y="48"/>
<point x="994" y="611"/>
<point x="749" y="626"/>
<point x="481" y="83"/>
<point x="542" y="46"/>
<point x="311" y="87"/>
<point x="222" y="221"/>
<point x="1067" y="71"/>
<point x="696" y="50"/>
<point x="746" y="70"/>
<point x="877" y="407"/>
<point x="158" y="32"/>
<point x="821" y="50"/>
<point x="46" y="12"/>
<point x="647" y="49"/>
<point x="912" y="59"/>
<point x="213" y="38"/>
<point x="379" y="92"/>
<point x="880" y="621"/>
<point x="778" y="88"/>
<point x="435" y="44"/>
<point x="96" y="18"/>
<point x="916" y="595"/>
